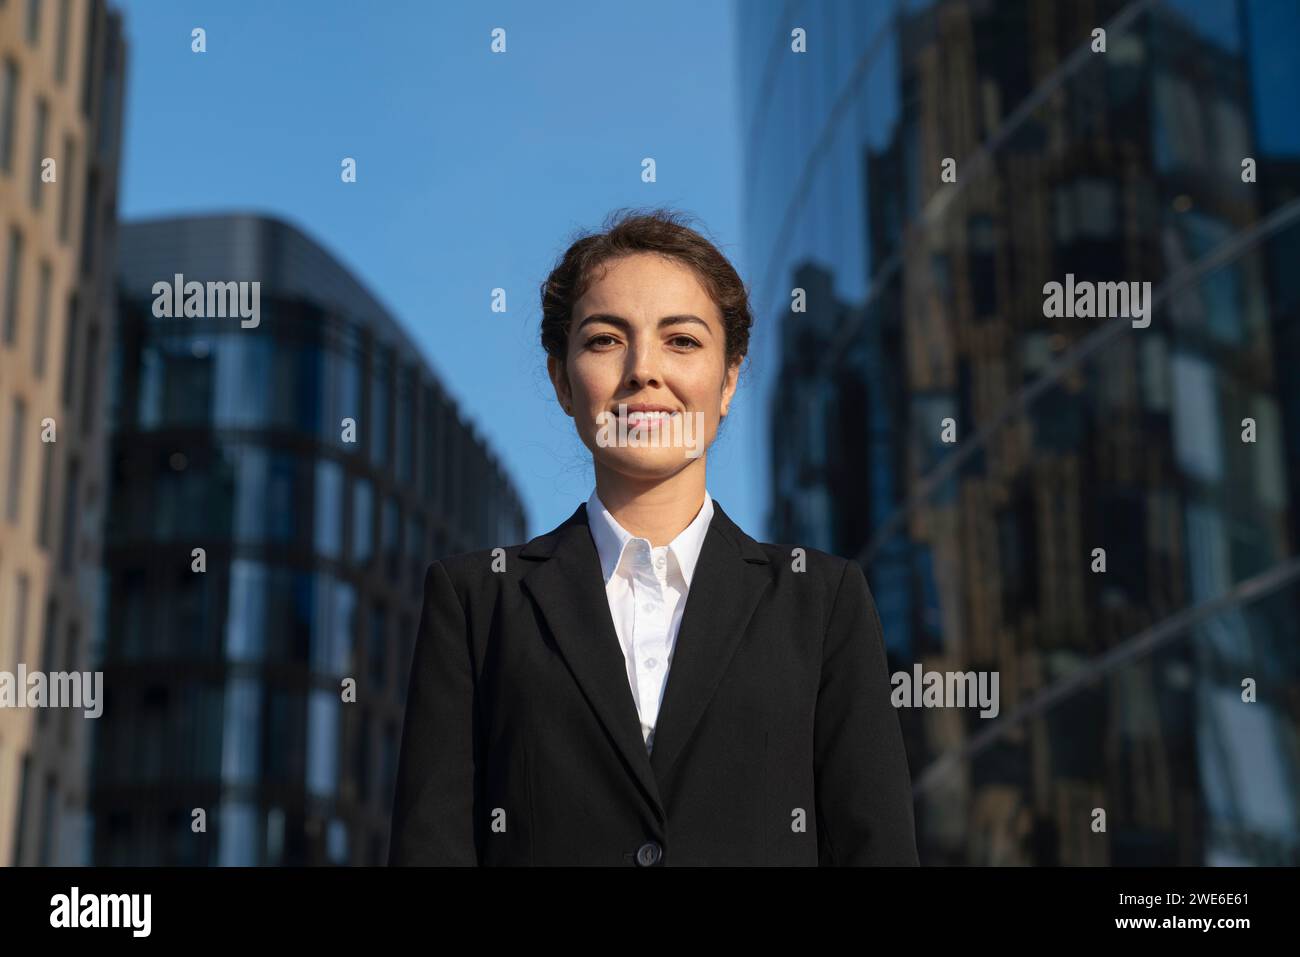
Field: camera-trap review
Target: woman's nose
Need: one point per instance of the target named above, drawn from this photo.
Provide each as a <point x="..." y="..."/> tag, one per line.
<point x="643" y="365"/>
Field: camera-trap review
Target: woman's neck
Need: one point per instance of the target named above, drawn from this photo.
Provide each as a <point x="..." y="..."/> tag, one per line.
<point x="658" y="509"/>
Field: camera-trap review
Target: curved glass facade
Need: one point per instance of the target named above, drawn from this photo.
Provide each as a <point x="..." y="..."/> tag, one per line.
<point x="223" y="687"/>
<point x="975" y="455"/>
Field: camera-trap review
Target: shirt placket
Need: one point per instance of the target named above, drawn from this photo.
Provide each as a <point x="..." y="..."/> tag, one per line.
<point x="650" y="630"/>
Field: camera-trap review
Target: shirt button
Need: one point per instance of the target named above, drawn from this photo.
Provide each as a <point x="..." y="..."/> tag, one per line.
<point x="660" y="562"/>
<point x="647" y="607"/>
<point x="651" y="662"/>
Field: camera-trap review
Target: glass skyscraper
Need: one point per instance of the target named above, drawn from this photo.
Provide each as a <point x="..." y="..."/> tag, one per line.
<point x="255" y="690"/>
<point x="1104" y="515"/>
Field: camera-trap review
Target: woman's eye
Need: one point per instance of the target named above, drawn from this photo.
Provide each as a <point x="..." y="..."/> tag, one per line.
<point x="600" y="339"/>
<point x="685" y="341"/>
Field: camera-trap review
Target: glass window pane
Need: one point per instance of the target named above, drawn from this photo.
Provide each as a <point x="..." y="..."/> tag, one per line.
<point x="323" y="743"/>
<point x="380" y="388"/>
<point x="242" y="732"/>
<point x="363" y="521"/>
<point x="328" y="523"/>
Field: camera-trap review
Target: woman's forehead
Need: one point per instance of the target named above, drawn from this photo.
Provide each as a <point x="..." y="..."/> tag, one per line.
<point x="649" y="289"/>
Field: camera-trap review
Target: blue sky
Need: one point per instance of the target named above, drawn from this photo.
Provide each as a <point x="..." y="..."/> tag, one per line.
<point x="473" y="169"/>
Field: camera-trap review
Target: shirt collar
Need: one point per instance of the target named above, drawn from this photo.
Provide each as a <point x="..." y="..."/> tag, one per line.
<point x="611" y="538"/>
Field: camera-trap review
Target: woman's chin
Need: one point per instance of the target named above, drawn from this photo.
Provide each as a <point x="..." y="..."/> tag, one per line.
<point x="645" y="463"/>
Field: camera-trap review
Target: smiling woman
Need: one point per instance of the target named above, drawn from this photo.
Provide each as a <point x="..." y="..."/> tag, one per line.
<point x="542" y="726"/>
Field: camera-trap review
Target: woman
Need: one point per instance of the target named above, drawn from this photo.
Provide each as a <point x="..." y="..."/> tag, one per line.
<point x="645" y="684"/>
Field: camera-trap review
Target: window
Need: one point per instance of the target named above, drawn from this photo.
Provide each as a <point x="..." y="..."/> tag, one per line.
<point x="403" y="425"/>
<point x="13" y="275"/>
<point x="328" y="524"/>
<point x="34" y="22"/>
<point x="380" y="375"/>
<point x="343" y="390"/>
<point x="42" y="337"/>
<point x="254" y="382"/>
<point x="323" y="716"/>
<point x="331" y="636"/>
<point x="361" y="760"/>
<point x="49" y="819"/>
<point x="90" y="407"/>
<point x="241" y="740"/>
<point x="271" y="483"/>
<point x="237" y="832"/>
<point x="8" y="107"/>
<point x="363" y="521"/>
<point x="21" y="588"/>
<point x="70" y="351"/>
<point x="305" y="377"/>
<point x="38" y="151"/>
<point x="246" y="620"/>
<point x="88" y="67"/>
<point x="1198" y="446"/>
<point x="17" y="442"/>
<point x="65" y="191"/>
<point x="337" y="842"/>
<point x="48" y="642"/>
<point x="71" y="662"/>
<point x="61" y="43"/>
<point x="90" y="225"/>
<point x="24" y="796"/>
<point x="392" y="544"/>
<point x="47" y="470"/>
<point x="419" y="432"/>
<point x="429" y="445"/>
<point x="69" y="518"/>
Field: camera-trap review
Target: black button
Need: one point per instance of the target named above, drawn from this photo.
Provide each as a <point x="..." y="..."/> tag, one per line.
<point x="649" y="854"/>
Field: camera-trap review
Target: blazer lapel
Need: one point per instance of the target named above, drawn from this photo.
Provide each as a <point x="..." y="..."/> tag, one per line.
<point x="730" y="578"/>
<point x="568" y="587"/>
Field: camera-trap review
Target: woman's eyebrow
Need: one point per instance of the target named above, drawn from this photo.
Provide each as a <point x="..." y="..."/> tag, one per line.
<point x="622" y="323"/>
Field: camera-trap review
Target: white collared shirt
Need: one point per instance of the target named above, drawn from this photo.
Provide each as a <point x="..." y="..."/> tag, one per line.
<point x="646" y="588"/>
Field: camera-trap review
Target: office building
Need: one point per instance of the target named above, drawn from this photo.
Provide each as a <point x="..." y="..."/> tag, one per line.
<point x="62" y="72"/>
<point x="281" y="477"/>
<point x="1059" y="501"/>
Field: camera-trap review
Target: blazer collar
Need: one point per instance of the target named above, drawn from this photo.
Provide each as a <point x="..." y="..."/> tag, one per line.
<point x="544" y="545"/>
<point x="567" y="584"/>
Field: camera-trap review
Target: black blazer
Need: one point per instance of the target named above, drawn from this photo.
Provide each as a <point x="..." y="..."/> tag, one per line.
<point x="776" y="741"/>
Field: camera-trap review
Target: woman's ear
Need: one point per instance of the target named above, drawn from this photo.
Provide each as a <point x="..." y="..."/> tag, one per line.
<point x="560" y="381"/>
<point x="729" y="385"/>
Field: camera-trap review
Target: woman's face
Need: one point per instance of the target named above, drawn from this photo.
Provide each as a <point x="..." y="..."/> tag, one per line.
<point x="645" y="337"/>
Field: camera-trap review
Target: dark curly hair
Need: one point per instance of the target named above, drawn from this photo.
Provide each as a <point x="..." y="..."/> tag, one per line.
<point x="662" y="231"/>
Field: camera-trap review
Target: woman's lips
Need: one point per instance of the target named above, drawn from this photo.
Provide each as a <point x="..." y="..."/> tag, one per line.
<point x="649" y="420"/>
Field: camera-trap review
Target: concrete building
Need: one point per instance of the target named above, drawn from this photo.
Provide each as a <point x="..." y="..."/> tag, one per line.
<point x="62" y="66"/>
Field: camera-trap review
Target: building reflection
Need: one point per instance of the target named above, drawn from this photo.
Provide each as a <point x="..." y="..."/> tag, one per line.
<point x="1122" y="689"/>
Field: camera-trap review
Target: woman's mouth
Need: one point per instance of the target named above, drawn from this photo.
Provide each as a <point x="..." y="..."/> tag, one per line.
<point x="649" y="418"/>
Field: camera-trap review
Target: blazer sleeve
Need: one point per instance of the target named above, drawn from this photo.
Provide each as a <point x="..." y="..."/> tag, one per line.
<point x="435" y="795"/>
<point x="863" y="788"/>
